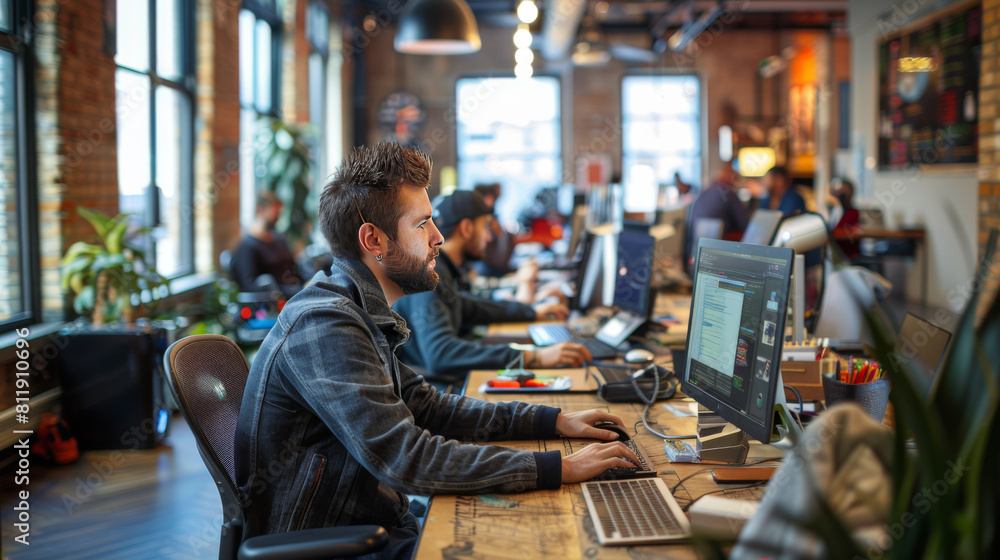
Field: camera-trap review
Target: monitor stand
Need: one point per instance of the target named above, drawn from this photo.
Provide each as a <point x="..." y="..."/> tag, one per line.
<point x="724" y="443"/>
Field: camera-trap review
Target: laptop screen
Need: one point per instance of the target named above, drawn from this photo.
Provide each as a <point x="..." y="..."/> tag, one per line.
<point x="920" y="349"/>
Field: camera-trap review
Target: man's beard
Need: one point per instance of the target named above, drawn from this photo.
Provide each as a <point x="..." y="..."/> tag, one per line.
<point x="408" y="272"/>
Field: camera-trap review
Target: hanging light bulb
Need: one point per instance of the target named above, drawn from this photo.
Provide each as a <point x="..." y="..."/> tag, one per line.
<point x="524" y="56"/>
<point x="522" y="37"/>
<point x="527" y="11"/>
<point x="523" y="70"/>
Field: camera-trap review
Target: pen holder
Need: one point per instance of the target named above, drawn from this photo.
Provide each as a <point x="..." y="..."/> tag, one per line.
<point x="873" y="397"/>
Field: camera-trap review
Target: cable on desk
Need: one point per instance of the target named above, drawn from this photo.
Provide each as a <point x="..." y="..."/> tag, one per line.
<point x="649" y="403"/>
<point x="673" y="491"/>
<point x="797" y="415"/>
<point x="688" y="505"/>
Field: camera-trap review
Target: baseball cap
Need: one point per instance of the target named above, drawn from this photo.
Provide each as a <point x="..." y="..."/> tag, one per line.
<point x="459" y="205"/>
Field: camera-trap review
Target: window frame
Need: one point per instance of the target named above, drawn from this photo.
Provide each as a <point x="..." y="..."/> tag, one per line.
<point x="19" y="42"/>
<point x="702" y="124"/>
<point x="272" y="17"/>
<point x="561" y="122"/>
<point x="186" y="85"/>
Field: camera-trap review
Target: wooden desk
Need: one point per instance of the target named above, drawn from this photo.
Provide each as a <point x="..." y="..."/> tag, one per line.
<point x="555" y="523"/>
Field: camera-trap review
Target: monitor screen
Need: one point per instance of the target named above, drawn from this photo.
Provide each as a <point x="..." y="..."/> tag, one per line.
<point x="736" y="331"/>
<point x="634" y="271"/>
<point x="762" y="227"/>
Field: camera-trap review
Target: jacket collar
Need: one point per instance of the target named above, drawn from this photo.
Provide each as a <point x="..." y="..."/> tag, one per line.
<point x="372" y="298"/>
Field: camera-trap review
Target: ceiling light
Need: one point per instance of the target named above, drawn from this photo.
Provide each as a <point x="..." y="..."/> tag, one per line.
<point x="524" y="56"/>
<point x="527" y="11"/>
<point x="523" y="70"/>
<point x="522" y="37"/>
<point x="437" y="27"/>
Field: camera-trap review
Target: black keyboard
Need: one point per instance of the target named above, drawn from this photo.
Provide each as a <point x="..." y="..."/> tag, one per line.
<point x="547" y="335"/>
<point x="622" y="473"/>
<point x="615" y="374"/>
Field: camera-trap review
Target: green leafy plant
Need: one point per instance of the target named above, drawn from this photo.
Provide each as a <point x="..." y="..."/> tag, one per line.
<point x="104" y="277"/>
<point x="285" y="168"/>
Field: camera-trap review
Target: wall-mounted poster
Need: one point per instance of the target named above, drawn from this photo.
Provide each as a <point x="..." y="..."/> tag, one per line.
<point x="929" y="92"/>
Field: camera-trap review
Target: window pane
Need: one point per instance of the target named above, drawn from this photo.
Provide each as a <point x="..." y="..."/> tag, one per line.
<point x="11" y="297"/>
<point x="262" y="67"/>
<point x="4" y="15"/>
<point x="132" y="34"/>
<point x="508" y="132"/>
<point x="248" y="180"/>
<point x="247" y="23"/>
<point x="318" y="27"/>
<point x="661" y="126"/>
<point x="169" y="26"/>
<point x="132" y="95"/>
<point x="317" y="90"/>
<point x="171" y="117"/>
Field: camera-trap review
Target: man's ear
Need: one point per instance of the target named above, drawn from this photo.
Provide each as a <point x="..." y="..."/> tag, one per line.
<point x="373" y="240"/>
<point x="466" y="228"/>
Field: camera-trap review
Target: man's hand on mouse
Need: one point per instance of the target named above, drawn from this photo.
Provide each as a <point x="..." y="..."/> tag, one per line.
<point x="595" y="459"/>
<point x="581" y="424"/>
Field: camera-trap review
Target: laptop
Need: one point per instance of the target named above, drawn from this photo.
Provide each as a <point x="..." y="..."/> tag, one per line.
<point x="921" y="346"/>
<point x="633" y="272"/>
<point x="636" y="511"/>
<point x="762" y="227"/>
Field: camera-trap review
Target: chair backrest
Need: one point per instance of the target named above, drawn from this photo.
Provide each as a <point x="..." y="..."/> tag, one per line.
<point x="207" y="374"/>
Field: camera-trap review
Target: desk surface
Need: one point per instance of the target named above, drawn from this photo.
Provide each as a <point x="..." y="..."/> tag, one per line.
<point x="555" y="523"/>
<point x="879" y="233"/>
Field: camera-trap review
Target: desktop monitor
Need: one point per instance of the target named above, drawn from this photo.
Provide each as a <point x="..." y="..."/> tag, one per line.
<point x="762" y="227"/>
<point x="735" y="333"/>
<point x="634" y="271"/>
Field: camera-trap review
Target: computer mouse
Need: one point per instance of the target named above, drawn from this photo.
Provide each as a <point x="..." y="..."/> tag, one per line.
<point x="639" y="356"/>
<point x="612" y="427"/>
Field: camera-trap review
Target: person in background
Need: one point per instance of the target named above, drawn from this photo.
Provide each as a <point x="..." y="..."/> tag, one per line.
<point x="496" y="260"/>
<point x="780" y="194"/>
<point x="441" y="320"/>
<point x="718" y="201"/>
<point x="850" y="218"/>
<point x="262" y="261"/>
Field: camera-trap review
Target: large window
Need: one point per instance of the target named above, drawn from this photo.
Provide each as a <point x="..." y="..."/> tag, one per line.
<point x="508" y="133"/>
<point x="154" y="93"/>
<point x="260" y="45"/>
<point x="661" y="126"/>
<point x="19" y="297"/>
<point x="318" y="36"/>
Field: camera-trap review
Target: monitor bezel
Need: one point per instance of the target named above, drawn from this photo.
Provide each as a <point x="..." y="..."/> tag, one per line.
<point x="723" y="409"/>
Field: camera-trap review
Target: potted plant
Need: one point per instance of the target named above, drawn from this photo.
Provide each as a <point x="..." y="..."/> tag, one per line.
<point x="108" y="278"/>
<point x="285" y="168"/>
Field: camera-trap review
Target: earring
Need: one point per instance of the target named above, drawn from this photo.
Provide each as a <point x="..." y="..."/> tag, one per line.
<point x="378" y="258"/>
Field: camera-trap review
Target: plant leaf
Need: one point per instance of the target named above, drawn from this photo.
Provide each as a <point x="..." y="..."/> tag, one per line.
<point x="80" y="248"/>
<point x="99" y="221"/>
<point x="115" y="238"/>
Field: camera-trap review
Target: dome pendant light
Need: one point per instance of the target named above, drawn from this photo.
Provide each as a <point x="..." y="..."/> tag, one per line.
<point x="437" y="27"/>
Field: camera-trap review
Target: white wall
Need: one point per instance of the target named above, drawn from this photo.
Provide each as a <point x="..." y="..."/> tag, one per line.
<point x="942" y="202"/>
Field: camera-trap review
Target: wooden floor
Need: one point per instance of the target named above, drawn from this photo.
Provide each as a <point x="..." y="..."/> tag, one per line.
<point x="141" y="504"/>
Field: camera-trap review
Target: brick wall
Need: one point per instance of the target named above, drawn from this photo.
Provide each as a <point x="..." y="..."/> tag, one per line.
<point x="989" y="141"/>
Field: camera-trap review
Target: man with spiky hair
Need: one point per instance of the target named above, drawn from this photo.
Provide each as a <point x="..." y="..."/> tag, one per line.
<point x="334" y="429"/>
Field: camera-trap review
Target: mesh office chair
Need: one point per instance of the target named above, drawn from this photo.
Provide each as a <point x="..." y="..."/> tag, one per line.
<point x="207" y="374"/>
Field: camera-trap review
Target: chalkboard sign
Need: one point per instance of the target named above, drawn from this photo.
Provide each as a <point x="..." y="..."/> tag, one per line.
<point x="929" y="93"/>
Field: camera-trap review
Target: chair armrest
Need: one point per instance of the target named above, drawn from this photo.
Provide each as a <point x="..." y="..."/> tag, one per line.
<point x="309" y="544"/>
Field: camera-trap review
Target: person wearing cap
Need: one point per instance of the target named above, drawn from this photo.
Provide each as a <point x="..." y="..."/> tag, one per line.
<point x="441" y="320"/>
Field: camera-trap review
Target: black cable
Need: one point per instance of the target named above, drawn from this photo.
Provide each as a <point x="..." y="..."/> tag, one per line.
<point x="680" y="482"/>
<point x="798" y="414"/>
